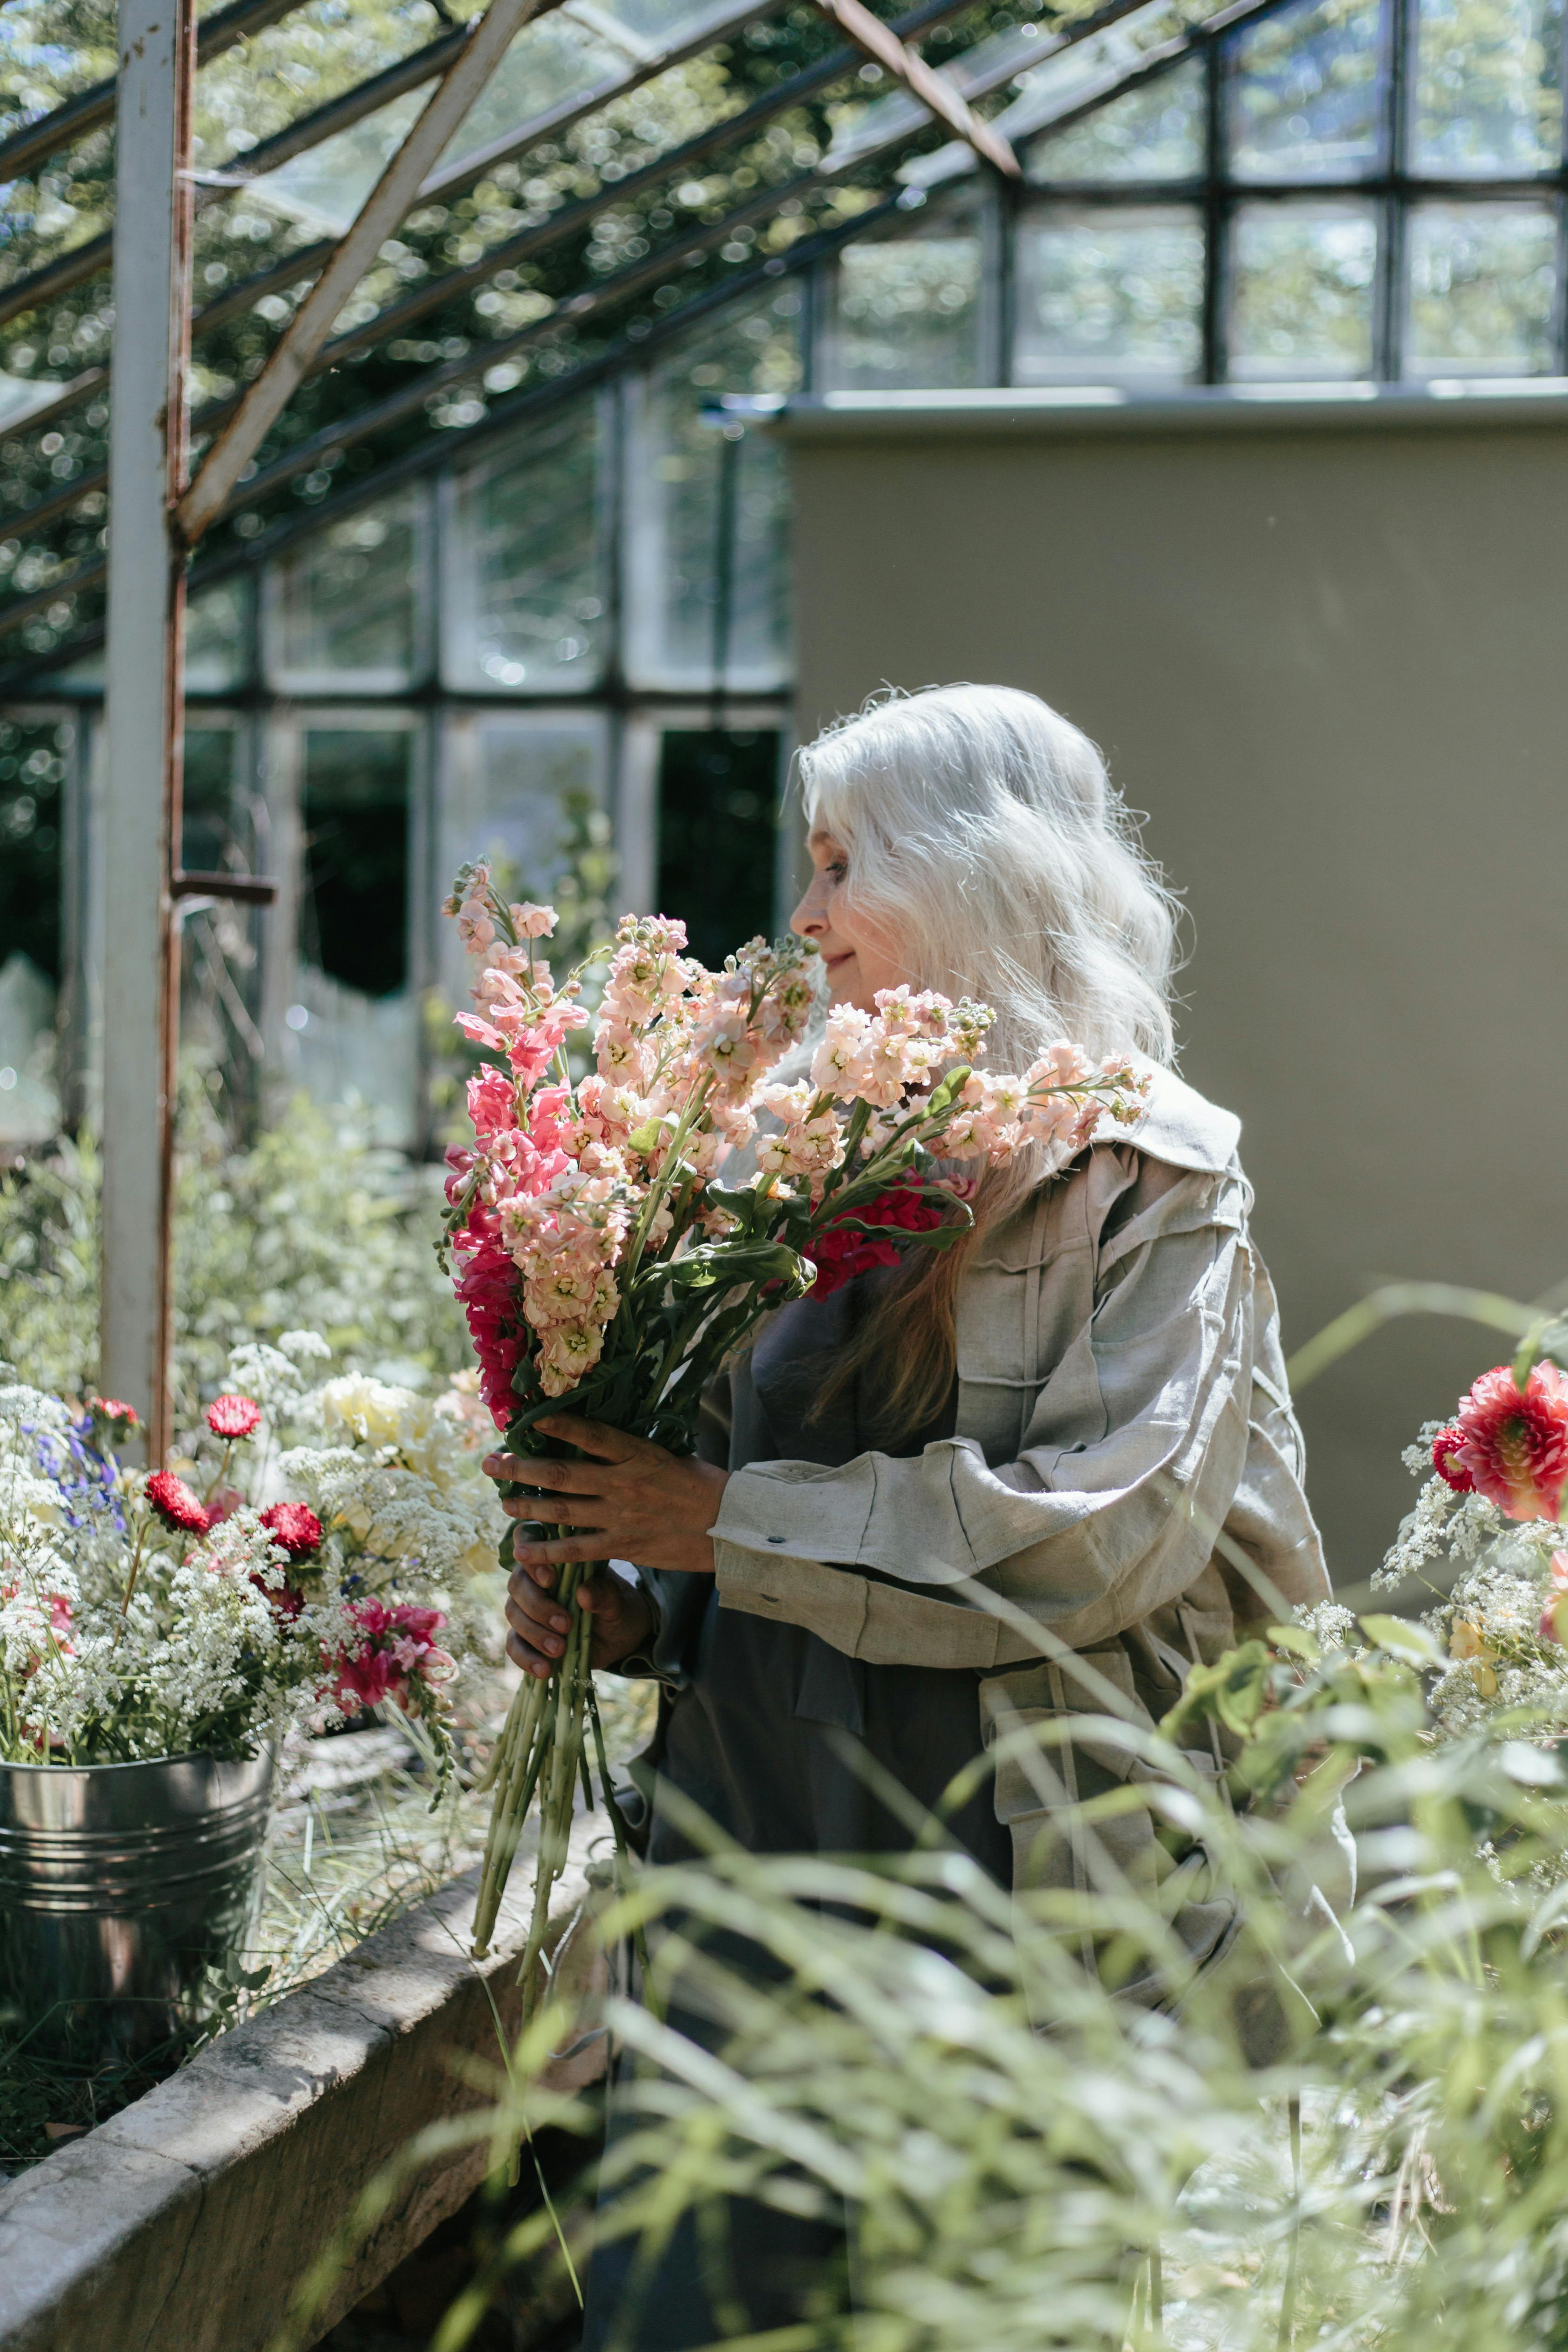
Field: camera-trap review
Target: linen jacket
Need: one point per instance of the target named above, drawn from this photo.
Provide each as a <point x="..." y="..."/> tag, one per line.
<point x="1125" y="1471"/>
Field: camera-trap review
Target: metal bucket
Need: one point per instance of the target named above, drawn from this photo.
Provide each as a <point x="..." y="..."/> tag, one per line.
<point x="123" y="1888"/>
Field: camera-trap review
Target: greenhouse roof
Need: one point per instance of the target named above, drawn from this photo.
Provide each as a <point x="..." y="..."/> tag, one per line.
<point x="627" y="170"/>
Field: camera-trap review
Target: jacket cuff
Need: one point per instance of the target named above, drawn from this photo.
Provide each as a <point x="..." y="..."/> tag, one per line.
<point x="798" y="1506"/>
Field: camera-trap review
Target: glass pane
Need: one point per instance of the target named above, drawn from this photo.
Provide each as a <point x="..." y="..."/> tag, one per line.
<point x="217" y="654"/>
<point x="1098" y="67"/>
<point x="351" y="1033"/>
<point x="509" y="783"/>
<point x="549" y="64"/>
<point x="1483" y="289"/>
<point x="703" y="506"/>
<point x="1304" y="94"/>
<point x="1488" y="86"/>
<point x="344" y="602"/>
<point x="718" y="797"/>
<point x="1154" y="132"/>
<point x="1109" y="297"/>
<point x="29" y="1099"/>
<point x="906" y="313"/>
<point x="323" y="188"/>
<point x="526" y="597"/>
<point x="213" y="824"/>
<point x="1302" y="289"/>
<point x="33" y="763"/>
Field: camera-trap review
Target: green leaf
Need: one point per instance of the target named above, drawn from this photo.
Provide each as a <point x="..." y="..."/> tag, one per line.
<point x="1415" y="1644"/>
<point x="1298" y="1640"/>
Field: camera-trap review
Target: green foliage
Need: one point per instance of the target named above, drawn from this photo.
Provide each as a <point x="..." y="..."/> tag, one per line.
<point x="310" y="1227"/>
<point x="1350" y="2133"/>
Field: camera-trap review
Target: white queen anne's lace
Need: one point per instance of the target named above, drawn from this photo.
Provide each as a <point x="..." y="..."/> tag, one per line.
<point x="124" y="1637"/>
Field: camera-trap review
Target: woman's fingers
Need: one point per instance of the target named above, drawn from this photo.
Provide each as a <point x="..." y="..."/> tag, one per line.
<point x="594" y="1437"/>
<point x="560" y="1550"/>
<point x="538" y="1623"/>
<point x="539" y="1472"/>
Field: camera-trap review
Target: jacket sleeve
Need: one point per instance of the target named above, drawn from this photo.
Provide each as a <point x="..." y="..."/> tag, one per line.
<point x="1130" y="1459"/>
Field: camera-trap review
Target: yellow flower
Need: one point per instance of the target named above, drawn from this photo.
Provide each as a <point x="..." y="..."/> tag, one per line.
<point x="1466" y="1641"/>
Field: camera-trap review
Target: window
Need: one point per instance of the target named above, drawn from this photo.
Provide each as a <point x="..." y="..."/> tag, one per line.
<point x="1482" y="289"/>
<point x="507" y="785"/>
<point x="706" y="579"/>
<point x="346" y="605"/>
<point x="526" y="597"/>
<point x="718" y="795"/>
<point x="1110" y="297"/>
<point x="1302" y="291"/>
<point x="1488" y="88"/>
<point x="350" y="1033"/>
<point x="1305" y="94"/>
<point x="906" y="311"/>
<point x="1153" y="132"/>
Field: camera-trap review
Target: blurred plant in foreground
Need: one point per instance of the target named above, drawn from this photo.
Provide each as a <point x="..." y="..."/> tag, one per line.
<point x="1350" y="2131"/>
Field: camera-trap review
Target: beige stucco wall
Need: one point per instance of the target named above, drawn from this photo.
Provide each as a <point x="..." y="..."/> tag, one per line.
<point x="1328" y="657"/>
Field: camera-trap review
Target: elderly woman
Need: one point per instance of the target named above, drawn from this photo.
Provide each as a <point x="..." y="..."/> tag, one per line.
<point x="1078" y="1422"/>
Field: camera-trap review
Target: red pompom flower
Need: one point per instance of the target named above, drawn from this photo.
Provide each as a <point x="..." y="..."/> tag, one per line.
<point x="233" y="1416"/>
<point x="839" y="1252"/>
<point x="294" y="1526"/>
<point x="176" y="1505"/>
<point x="1510" y="1444"/>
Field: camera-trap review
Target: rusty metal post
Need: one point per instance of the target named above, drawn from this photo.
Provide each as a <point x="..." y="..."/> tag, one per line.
<point x="143" y="698"/>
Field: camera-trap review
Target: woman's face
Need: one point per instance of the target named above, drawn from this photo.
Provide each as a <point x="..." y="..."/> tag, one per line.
<point x="860" y="958"/>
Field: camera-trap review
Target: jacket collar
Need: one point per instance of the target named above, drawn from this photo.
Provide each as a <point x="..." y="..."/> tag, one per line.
<point x="1180" y="1127"/>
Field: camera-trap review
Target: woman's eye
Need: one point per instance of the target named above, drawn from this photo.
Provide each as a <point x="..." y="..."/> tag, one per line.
<point x="838" y="870"/>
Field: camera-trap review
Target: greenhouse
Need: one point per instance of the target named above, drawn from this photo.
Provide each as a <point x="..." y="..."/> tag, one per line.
<point x="510" y="545"/>
<point x="783" y="1350"/>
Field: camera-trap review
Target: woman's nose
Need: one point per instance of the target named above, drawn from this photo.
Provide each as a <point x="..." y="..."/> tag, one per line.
<point x="809" y="918"/>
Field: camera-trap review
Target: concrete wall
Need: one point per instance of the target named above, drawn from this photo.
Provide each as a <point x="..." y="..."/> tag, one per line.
<point x="1324" y="647"/>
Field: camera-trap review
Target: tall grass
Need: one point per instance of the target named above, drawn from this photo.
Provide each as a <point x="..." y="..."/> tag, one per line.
<point x="1351" y="2131"/>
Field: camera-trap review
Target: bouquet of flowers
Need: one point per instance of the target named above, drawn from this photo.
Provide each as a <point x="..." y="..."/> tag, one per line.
<point x="607" y="1269"/>
<point x="155" y="1614"/>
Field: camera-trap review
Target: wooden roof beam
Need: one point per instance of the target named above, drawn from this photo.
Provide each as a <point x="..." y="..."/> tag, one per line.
<point x="882" y="45"/>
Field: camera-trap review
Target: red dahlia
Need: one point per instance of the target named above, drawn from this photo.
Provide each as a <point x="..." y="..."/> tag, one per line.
<point x="294" y="1526"/>
<point x="1511" y="1443"/>
<point x="175" y="1503"/>
<point x="233" y="1416"/>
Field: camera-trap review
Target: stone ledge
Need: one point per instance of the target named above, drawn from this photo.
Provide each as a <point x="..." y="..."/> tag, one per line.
<point x="184" y="2223"/>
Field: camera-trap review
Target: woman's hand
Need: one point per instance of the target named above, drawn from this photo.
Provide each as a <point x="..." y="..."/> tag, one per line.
<point x="631" y="1501"/>
<point x="622" y="1620"/>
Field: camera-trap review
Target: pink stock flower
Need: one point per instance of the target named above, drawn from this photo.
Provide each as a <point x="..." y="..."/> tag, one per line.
<point x="221" y="1504"/>
<point x="233" y="1416"/>
<point x="531" y="922"/>
<point x="1510" y="1444"/>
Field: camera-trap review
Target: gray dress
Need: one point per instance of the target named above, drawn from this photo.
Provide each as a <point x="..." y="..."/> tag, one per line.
<point x="759" y="1724"/>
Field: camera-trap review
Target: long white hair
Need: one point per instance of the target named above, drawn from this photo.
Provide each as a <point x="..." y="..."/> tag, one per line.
<point x="984" y="838"/>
